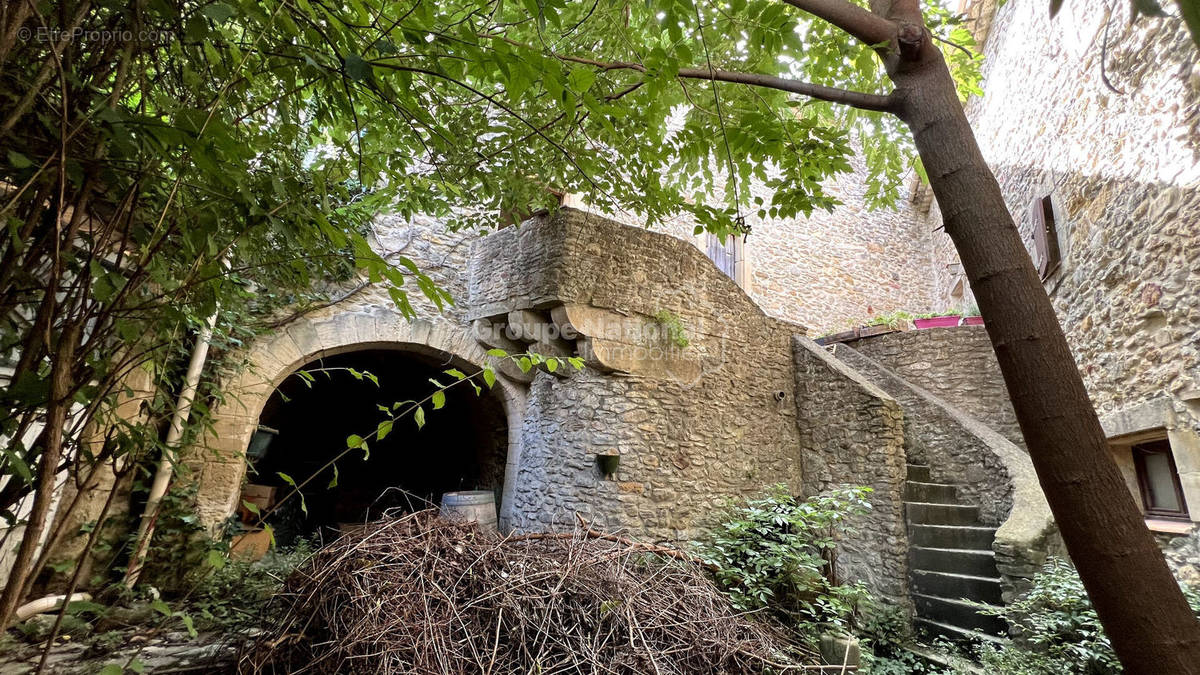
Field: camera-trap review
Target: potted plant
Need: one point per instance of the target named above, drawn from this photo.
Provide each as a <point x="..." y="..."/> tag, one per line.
<point x="885" y="323"/>
<point x="937" y="320"/>
<point x="971" y="317"/>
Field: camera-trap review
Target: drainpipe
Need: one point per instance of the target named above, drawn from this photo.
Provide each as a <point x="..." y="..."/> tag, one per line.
<point x="166" y="465"/>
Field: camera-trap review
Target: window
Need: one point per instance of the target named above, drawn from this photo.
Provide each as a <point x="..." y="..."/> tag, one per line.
<point x="1162" y="494"/>
<point x="723" y="254"/>
<point x="1046" y="256"/>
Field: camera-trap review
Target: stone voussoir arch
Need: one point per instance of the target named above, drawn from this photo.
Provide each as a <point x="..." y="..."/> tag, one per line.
<point x="218" y="461"/>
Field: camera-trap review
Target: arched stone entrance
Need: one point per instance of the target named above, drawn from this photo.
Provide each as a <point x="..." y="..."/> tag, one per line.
<point x="219" y="462"/>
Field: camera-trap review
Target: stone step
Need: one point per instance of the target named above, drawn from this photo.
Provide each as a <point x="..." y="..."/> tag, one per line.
<point x="932" y="493"/>
<point x="958" y="560"/>
<point x="924" y="513"/>
<point x="957" y="586"/>
<point x="954" y="633"/>
<point x="962" y="615"/>
<point x="975" y="537"/>
<point x="918" y="472"/>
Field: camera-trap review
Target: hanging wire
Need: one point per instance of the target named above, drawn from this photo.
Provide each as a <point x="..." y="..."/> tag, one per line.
<point x="739" y="220"/>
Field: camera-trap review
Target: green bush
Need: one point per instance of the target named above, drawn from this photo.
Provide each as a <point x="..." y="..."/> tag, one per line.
<point x="778" y="552"/>
<point x="231" y="596"/>
<point x="1057" y="630"/>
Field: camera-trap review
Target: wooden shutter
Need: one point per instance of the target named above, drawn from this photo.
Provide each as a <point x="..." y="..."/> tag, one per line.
<point x="723" y="255"/>
<point x="1045" y="236"/>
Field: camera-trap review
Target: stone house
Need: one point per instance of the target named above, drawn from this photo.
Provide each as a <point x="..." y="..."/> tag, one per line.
<point x="701" y="377"/>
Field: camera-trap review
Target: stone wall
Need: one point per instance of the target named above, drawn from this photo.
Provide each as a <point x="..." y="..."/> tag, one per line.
<point x="955" y="364"/>
<point x="1122" y="170"/>
<point x="692" y="424"/>
<point x="989" y="470"/>
<point x="831" y="270"/>
<point x="853" y="434"/>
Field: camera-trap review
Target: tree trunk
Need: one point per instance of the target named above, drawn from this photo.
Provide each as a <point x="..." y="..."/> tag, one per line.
<point x="1139" y="602"/>
<point x="52" y="439"/>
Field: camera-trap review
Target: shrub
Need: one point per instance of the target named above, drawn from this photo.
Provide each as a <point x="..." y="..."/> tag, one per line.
<point x="1057" y="629"/>
<point x="231" y="596"/>
<point x="778" y="552"/>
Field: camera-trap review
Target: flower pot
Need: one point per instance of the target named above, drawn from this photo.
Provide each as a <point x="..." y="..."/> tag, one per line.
<point x="937" y="322"/>
<point x="973" y="321"/>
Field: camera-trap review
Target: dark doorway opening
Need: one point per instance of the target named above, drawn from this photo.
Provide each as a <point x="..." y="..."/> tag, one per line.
<point x="463" y="446"/>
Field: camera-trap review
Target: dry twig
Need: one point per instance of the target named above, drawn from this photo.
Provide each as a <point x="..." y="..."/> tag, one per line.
<point x="420" y="594"/>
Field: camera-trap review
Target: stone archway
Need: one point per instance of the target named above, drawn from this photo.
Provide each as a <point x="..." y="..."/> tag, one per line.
<point x="219" y="462"/>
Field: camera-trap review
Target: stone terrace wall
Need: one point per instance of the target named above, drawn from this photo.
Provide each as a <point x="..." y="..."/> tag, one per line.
<point x="992" y="472"/>
<point x="853" y="434"/>
<point x="831" y="270"/>
<point x="955" y="364"/>
<point x="938" y="435"/>
<point x="691" y="425"/>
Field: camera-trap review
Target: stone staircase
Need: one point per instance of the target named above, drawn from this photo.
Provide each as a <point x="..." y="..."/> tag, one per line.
<point x="952" y="561"/>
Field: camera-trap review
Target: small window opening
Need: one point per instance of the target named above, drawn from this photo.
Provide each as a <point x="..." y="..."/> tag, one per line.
<point x="1162" y="493"/>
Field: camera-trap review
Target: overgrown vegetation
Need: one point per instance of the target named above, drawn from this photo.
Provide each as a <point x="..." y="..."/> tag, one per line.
<point x="1057" y="629"/>
<point x="778" y="552"/>
<point x="676" y="334"/>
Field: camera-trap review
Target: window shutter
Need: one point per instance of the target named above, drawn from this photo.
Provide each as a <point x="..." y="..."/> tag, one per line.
<point x="1045" y="236"/>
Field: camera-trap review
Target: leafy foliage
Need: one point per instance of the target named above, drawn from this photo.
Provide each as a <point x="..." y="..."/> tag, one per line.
<point x="1057" y="627"/>
<point x="778" y="552"/>
<point x="676" y="334"/>
<point x="232" y="595"/>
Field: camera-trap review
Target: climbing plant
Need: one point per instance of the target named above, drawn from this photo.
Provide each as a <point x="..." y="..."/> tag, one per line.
<point x="778" y="552"/>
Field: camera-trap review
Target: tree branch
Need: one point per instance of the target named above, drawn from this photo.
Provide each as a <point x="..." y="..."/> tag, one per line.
<point x="854" y="99"/>
<point x="867" y="27"/>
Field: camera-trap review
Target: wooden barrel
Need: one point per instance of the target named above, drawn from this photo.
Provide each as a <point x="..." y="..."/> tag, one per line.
<point x="478" y="506"/>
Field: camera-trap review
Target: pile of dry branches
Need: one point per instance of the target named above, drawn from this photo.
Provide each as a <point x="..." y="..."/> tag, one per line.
<point x="420" y="594"/>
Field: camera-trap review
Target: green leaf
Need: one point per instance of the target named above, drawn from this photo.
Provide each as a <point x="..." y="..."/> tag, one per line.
<point x="581" y="79"/>
<point x="356" y="68"/>
<point x="354" y="441"/>
<point x="161" y="607"/>
<point x="18" y="160"/>
<point x="137" y="666"/>
<point x="333" y="482"/>
<point x="215" y="559"/>
<point x="251" y="507"/>
<point x="288" y="479"/>
<point x="112" y="669"/>
<point x="188" y="624"/>
<point x="489" y="377"/>
<point x="384" y="428"/>
<point x="497" y="352"/>
<point x="552" y="365"/>
<point x="218" y="12"/>
<point x="419" y="416"/>
<point x="19" y="466"/>
<point x="439" y="399"/>
<point x="524" y="364"/>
